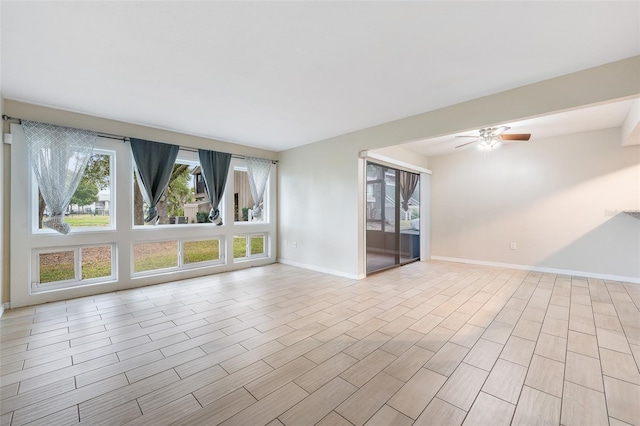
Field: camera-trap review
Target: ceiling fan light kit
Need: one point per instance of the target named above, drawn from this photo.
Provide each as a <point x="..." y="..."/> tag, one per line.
<point x="488" y="144"/>
<point x="489" y="138"/>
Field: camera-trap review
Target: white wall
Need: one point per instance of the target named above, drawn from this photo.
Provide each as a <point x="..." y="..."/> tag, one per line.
<point x="2" y="237"/>
<point x="560" y="199"/>
<point x="317" y="187"/>
<point x="319" y="184"/>
<point x="400" y="153"/>
<point x="630" y="133"/>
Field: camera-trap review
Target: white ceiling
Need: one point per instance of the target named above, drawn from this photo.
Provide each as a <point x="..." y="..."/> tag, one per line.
<point x="581" y="120"/>
<point x="282" y="74"/>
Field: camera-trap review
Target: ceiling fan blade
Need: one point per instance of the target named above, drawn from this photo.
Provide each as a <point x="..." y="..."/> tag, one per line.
<point x="463" y="136"/>
<point x="499" y="130"/>
<point x="516" y="137"/>
<point x="465" y="144"/>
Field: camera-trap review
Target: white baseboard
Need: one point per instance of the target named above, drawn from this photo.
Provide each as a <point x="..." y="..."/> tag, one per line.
<point x="634" y="280"/>
<point x="320" y="269"/>
<point x="3" y="306"/>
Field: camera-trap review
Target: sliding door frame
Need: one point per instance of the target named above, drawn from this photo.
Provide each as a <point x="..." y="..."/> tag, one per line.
<point x="425" y="204"/>
<point x="384" y="228"/>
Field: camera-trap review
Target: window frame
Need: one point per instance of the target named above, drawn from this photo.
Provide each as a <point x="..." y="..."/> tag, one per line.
<point x="132" y="258"/>
<point x="99" y="148"/>
<point x="266" y="219"/>
<point x="221" y="253"/>
<point x="181" y="265"/>
<point x="185" y="156"/>
<point x="265" y="254"/>
<point x="122" y="235"/>
<point x="77" y="281"/>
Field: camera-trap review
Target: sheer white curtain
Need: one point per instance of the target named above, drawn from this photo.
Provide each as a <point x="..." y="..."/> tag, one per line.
<point x="59" y="156"/>
<point x="258" y="170"/>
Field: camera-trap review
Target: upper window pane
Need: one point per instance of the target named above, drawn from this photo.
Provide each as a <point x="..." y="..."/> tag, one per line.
<point x="198" y="210"/>
<point x="91" y="204"/>
<point x="242" y="199"/>
<point x="184" y="201"/>
<point x="410" y="218"/>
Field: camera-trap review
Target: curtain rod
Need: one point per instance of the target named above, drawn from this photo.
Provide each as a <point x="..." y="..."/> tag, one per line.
<point x="126" y="138"/>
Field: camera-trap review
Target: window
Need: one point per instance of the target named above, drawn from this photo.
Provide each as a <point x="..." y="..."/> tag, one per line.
<point x="57" y="266"/>
<point x="410" y="218"/>
<point x="239" y="246"/>
<point x="256" y="245"/>
<point x="185" y="201"/>
<point x="51" y="267"/>
<point x="96" y="262"/>
<point x="194" y="252"/>
<point x="156" y="255"/>
<point x="174" y="254"/>
<point x="249" y="246"/>
<point x="242" y="198"/>
<point x="92" y="204"/>
<point x="72" y="266"/>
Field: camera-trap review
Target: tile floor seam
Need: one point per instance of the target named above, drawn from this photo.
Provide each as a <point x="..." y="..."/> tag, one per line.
<point x="530" y="360"/>
<point x="604" y="389"/>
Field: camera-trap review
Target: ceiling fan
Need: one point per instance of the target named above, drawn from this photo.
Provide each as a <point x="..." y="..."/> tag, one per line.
<point x="491" y="137"/>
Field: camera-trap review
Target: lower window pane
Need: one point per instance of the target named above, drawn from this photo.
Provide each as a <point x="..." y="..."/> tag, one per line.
<point x="257" y="244"/>
<point x="150" y="256"/>
<point x="201" y="251"/>
<point x="58" y="266"/>
<point x="96" y="262"/>
<point x="239" y="247"/>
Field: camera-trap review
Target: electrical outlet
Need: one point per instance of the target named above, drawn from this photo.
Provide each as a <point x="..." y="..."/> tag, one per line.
<point x="294" y="244"/>
<point x="286" y="243"/>
<point x="513" y="246"/>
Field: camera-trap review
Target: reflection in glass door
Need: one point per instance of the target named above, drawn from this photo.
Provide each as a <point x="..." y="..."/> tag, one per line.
<point x="393" y="211"/>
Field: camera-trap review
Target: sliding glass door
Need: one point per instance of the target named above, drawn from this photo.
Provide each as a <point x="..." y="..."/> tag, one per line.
<point x="393" y="211"/>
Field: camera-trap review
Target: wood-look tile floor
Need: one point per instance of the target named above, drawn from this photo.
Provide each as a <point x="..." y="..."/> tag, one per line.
<point x="428" y="343"/>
